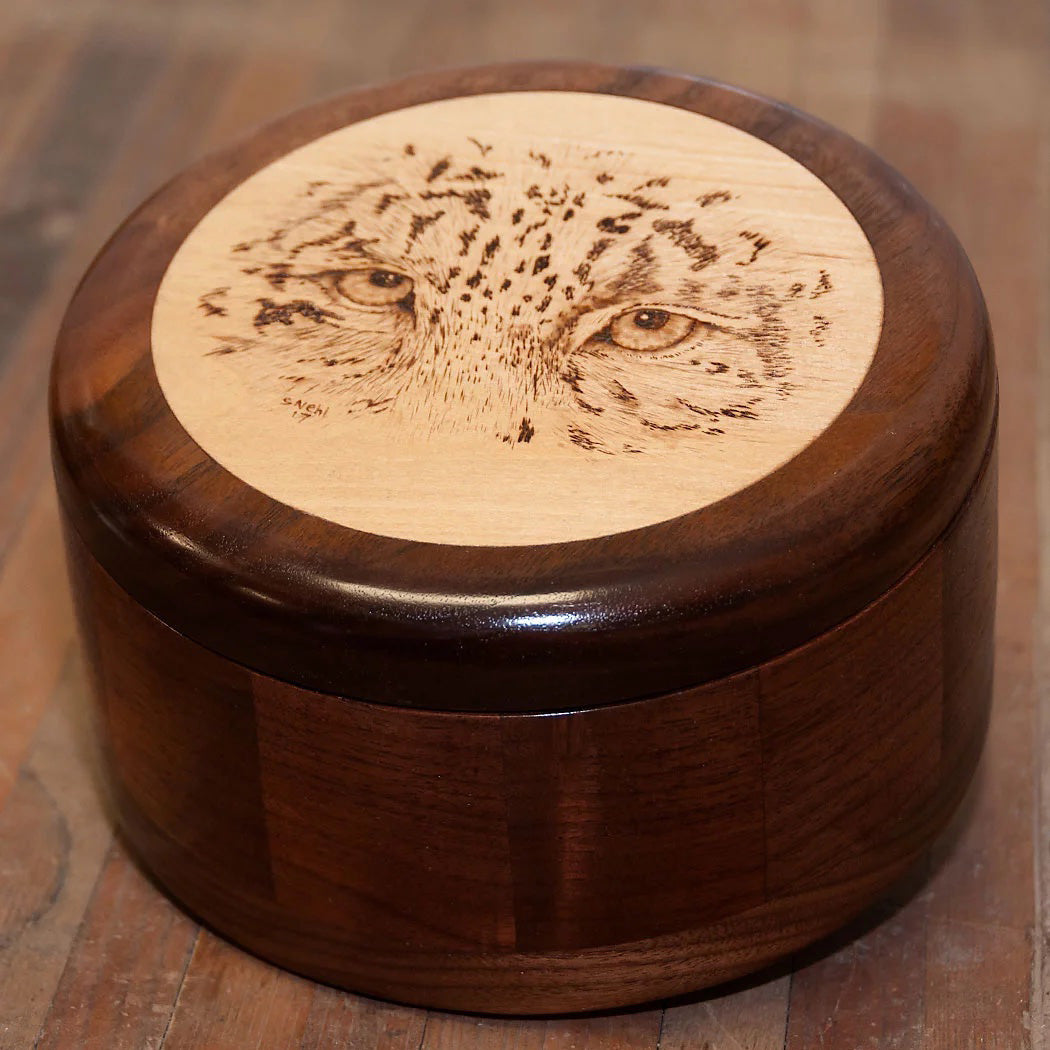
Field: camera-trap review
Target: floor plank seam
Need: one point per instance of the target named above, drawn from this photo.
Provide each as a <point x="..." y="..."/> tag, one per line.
<point x="178" y="994"/>
<point x="787" y="1010"/>
<point x="72" y="952"/>
<point x="422" y="1032"/>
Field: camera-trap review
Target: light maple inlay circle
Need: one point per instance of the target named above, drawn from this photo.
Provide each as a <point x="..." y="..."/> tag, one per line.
<point x="517" y="318"/>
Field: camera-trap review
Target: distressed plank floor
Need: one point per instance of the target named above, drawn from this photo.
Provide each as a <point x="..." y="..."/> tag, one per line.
<point x="100" y="101"/>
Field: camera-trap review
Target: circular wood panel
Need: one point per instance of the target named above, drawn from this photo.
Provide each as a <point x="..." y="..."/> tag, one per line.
<point x="541" y="626"/>
<point x="517" y="318"/>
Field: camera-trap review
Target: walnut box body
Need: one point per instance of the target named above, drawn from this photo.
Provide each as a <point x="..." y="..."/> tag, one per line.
<point x="533" y="531"/>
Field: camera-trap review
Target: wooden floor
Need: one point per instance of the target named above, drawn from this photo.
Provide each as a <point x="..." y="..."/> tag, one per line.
<point x="100" y="101"/>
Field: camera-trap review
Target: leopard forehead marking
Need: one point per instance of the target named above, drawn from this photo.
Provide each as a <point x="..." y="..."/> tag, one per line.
<point x="517" y="318"/>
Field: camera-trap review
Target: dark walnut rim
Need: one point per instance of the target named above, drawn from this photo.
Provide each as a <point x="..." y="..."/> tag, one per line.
<point x="640" y="613"/>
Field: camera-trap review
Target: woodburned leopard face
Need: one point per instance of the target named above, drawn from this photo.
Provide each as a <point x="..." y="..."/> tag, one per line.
<point x="507" y="293"/>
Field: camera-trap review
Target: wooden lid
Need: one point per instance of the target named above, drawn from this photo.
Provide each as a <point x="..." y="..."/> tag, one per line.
<point x="522" y="388"/>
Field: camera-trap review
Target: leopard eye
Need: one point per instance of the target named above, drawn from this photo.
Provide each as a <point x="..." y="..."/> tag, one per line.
<point x="374" y="287"/>
<point x="650" y="329"/>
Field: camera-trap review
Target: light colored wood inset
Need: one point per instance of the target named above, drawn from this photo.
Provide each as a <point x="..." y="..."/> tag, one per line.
<point x="517" y="318"/>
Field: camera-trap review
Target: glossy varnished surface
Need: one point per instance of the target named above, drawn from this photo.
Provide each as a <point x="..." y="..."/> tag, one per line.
<point x="110" y="101"/>
<point x="600" y="620"/>
<point x="546" y="863"/>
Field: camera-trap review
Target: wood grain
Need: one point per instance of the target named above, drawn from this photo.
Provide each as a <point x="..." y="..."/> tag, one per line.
<point x="56" y="839"/>
<point x="540" y="864"/>
<point x="147" y="950"/>
<point x="952" y="94"/>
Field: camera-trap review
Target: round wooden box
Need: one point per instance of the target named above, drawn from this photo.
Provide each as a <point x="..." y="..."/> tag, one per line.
<point x="533" y="531"/>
